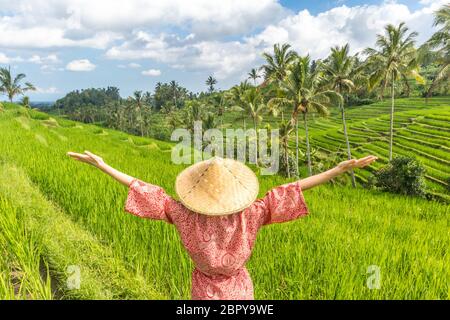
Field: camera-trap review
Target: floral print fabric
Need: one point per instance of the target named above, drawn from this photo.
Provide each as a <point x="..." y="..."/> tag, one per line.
<point x="218" y="245"/>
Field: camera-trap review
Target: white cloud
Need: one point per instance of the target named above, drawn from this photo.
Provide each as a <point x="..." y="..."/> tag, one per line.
<point x="48" y="90"/>
<point x="49" y="68"/>
<point x="132" y="65"/>
<point x="307" y="33"/>
<point x="221" y="58"/>
<point x="80" y="65"/>
<point x="4" y="59"/>
<point x="358" y="26"/>
<point x="137" y="29"/>
<point x="151" y="72"/>
<point x="87" y="23"/>
<point x="18" y="33"/>
<point x="49" y="59"/>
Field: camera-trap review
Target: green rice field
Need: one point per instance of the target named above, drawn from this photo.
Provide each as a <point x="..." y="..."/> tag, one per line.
<point x="57" y="214"/>
<point x="421" y="130"/>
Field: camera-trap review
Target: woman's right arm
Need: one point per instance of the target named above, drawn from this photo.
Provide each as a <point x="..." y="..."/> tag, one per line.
<point x="98" y="162"/>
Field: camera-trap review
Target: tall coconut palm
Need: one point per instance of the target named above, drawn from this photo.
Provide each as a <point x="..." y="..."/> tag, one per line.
<point x="340" y="71"/>
<point x="277" y="64"/>
<point x="253" y="107"/>
<point x="209" y="121"/>
<point x="236" y="97"/>
<point x="304" y="89"/>
<point x="11" y="86"/>
<point x="285" y="130"/>
<point x="440" y="42"/>
<point x="254" y="75"/>
<point x="210" y="82"/>
<point x="218" y="101"/>
<point x="395" y="56"/>
<point x="112" y="115"/>
<point x="272" y="91"/>
<point x="148" y="98"/>
<point x="173" y="120"/>
<point x="174" y="91"/>
<point x="137" y="104"/>
<point x="168" y="108"/>
<point x="195" y="111"/>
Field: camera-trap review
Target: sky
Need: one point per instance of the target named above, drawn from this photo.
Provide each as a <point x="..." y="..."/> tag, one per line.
<point x="64" y="45"/>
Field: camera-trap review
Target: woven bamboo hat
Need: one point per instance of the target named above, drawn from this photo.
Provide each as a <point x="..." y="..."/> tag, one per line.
<point x="217" y="187"/>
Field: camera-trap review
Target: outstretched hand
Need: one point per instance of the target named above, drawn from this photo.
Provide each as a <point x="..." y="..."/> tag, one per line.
<point x="87" y="157"/>
<point x="347" y="165"/>
<point x="98" y="162"/>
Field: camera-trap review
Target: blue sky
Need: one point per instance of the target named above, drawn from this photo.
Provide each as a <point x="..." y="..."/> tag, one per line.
<point x="64" y="45"/>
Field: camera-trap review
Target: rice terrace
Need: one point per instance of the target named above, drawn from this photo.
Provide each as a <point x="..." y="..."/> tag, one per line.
<point x="380" y="232"/>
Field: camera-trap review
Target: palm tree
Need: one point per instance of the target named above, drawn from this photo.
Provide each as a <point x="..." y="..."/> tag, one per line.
<point x="395" y="57"/>
<point x="148" y="99"/>
<point x="277" y="64"/>
<point x="236" y="95"/>
<point x="305" y="91"/>
<point x="25" y="102"/>
<point x="209" y="121"/>
<point x="272" y="91"/>
<point x="173" y="120"/>
<point x="137" y="104"/>
<point x="112" y="115"/>
<point x="11" y="85"/>
<point x="219" y="103"/>
<point x="340" y="71"/>
<point x="168" y="108"/>
<point x="174" y="90"/>
<point x="193" y="112"/>
<point x="440" y="41"/>
<point x="253" y="74"/>
<point x="197" y="111"/>
<point x="252" y="106"/>
<point x="285" y="130"/>
<point x="210" y="82"/>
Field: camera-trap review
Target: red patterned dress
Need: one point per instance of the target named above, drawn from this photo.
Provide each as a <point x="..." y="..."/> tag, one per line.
<point x="218" y="245"/>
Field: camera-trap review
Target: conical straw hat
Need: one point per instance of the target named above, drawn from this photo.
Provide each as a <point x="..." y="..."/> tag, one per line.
<point x="217" y="187"/>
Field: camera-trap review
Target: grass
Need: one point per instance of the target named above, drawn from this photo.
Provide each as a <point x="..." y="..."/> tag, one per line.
<point x="76" y="214"/>
<point x="421" y="130"/>
<point x="23" y="271"/>
<point x="326" y="256"/>
<point x="64" y="244"/>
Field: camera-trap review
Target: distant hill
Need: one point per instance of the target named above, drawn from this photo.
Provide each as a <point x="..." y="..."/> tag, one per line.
<point x="44" y="105"/>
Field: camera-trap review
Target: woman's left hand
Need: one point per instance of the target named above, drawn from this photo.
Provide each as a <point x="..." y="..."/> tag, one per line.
<point x="347" y="165"/>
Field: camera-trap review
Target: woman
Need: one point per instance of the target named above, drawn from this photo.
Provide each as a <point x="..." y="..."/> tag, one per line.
<point x="218" y="215"/>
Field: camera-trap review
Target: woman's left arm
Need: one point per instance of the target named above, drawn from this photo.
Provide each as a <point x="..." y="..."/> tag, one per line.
<point x="341" y="168"/>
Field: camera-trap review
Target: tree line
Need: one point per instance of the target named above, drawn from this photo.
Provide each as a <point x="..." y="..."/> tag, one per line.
<point x="288" y="86"/>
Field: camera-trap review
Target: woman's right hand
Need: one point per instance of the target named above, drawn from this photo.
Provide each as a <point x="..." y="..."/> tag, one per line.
<point x="88" y="157"/>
